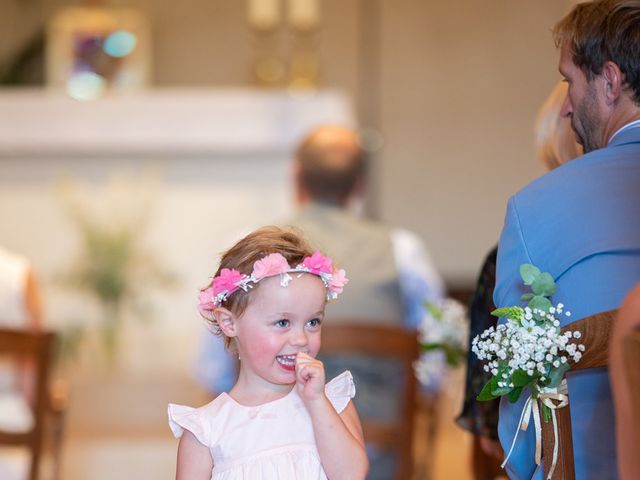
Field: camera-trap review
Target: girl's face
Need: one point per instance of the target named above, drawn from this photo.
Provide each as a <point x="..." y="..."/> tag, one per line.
<point x="278" y="323"/>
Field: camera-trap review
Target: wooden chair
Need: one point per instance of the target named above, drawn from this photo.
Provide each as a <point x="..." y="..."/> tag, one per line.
<point x="38" y="346"/>
<point x="624" y="358"/>
<point x="596" y="333"/>
<point x="355" y="337"/>
<point x="631" y="355"/>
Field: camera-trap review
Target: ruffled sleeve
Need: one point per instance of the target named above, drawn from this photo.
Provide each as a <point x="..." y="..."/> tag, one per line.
<point x="183" y="418"/>
<point x="340" y="390"/>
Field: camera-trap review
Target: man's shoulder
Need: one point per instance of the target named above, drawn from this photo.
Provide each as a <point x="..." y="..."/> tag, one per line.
<point x="315" y="217"/>
<point x="587" y="173"/>
<point x="584" y="208"/>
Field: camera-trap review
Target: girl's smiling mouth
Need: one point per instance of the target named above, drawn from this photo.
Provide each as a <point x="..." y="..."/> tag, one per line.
<point x="288" y="362"/>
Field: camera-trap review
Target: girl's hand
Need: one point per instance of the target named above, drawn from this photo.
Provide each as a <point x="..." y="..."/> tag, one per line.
<point x="310" y="377"/>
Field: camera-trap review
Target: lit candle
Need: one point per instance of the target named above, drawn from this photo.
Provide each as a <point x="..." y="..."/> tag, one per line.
<point x="264" y="14"/>
<point x="304" y="14"/>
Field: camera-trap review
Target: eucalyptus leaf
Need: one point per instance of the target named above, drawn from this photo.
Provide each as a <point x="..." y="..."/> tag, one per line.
<point x="526" y="297"/>
<point x="543" y="285"/>
<point x="514" y="395"/>
<point x="529" y="273"/>
<point x="557" y="374"/>
<point x="541" y="303"/>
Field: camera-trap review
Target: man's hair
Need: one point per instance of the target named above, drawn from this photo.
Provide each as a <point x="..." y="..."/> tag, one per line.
<point x="331" y="164"/>
<point x="601" y="31"/>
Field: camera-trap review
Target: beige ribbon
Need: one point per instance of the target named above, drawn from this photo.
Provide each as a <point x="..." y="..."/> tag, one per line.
<point x="547" y="396"/>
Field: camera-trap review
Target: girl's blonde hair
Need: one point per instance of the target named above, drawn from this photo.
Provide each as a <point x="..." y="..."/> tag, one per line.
<point x="555" y="141"/>
<point x="288" y="242"/>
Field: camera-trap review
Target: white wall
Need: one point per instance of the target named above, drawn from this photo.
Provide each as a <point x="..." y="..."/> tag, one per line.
<point x="459" y="84"/>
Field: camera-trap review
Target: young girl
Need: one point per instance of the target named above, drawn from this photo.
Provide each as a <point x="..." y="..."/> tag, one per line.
<point x="280" y="420"/>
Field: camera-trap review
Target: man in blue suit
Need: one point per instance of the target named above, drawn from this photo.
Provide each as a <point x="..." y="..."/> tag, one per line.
<point x="581" y="222"/>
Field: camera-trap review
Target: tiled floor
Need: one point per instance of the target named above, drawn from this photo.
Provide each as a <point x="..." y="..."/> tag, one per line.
<point x="451" y="458"/>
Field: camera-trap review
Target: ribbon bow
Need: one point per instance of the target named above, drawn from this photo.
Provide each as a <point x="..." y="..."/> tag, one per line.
<point x="547" y="396"/>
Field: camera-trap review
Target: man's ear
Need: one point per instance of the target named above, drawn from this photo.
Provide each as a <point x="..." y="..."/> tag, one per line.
<point x="226" y="320"/>
<point x="612" y="77"/>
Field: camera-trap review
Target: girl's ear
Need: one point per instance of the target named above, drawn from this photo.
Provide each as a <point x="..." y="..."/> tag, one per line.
<point x="226" y="320"/>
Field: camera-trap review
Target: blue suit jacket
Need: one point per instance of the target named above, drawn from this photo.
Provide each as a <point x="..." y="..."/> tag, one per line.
<point x="580" y="223"/>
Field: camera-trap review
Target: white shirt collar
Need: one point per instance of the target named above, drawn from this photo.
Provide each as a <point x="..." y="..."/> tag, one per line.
<point x="635" y="123"/>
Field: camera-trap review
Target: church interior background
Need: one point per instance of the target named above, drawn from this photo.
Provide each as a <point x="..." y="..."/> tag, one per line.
<point x="166" y="128"/>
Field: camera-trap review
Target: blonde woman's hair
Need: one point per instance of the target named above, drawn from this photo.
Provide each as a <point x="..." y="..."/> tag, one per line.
<point x="555" y="141"/>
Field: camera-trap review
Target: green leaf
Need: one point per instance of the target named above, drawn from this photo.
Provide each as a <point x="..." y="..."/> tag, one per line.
<point x="526" y="297"/>
<point x="543" y="285"/>
<point x="455" y="354"/>
<point x="557" y="374"/>
<point x="541" y="303"/>
<point x="431" y="346"/>
<point x="514" y="313"/>
<point x="514" y="395"/>
<point x="529" y="273"/>
<point x="485" y="394"/>
<point x="520" y="378"/>
<point x="434" y="310"/>
<point x="546" y="413"/>
<point x="498" y="392"/>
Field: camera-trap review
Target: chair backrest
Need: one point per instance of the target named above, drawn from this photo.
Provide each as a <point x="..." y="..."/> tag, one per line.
<point x="353" y="336"/>
<point x="596" y="333"/>
<point x="38" y="347"/>
<point x="631" y="355"/>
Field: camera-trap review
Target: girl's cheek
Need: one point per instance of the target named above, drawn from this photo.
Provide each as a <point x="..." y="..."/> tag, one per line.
<point x="314" y="346"/>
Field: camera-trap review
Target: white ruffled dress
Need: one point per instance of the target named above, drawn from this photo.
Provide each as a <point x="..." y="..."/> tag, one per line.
<point x="268" y="441"/>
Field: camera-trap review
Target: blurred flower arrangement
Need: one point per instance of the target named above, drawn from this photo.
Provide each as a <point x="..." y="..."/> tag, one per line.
<point x="442" y="336"/>
<point x="112" y="265"/>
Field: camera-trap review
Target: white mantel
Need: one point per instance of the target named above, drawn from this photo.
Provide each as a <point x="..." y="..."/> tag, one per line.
<point x="161" y="121"/>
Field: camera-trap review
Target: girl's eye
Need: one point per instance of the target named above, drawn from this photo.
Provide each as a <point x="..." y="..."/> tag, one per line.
<point x="282" y="323"/>
<point x="315" y="322"/>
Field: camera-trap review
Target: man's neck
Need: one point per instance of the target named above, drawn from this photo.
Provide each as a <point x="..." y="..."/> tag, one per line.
<point x="625" y="113"/>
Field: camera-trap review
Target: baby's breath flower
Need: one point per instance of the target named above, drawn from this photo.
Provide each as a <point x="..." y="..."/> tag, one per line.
<point x="533" y="345"/>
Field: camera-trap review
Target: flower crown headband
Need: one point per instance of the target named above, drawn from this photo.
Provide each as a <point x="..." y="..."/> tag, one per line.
<point x="231" y="280"/>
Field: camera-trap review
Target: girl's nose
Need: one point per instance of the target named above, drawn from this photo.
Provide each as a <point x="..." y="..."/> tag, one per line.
<point x="298" y="338"/>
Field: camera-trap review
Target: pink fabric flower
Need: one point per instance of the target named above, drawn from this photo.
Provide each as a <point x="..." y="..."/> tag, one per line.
<point x="227" y="280"/>
<point x="206" y="302"/>
<point x="270" y="265"/>
<point x="318" y="263"/>
<point x="338" y="281"/>
<point x="206" y="297"/>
